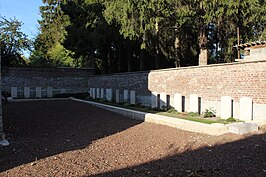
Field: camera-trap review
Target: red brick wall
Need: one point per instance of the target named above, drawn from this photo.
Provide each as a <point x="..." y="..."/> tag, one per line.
<point x="209" y="82"/>
<point x="74" y="80"/>
<point x="213" y="81"/>
<point x="137" y="81"/>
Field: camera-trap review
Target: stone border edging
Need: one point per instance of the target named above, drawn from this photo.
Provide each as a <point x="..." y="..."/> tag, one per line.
<point x="123" y="111"/>
<point x="210" y="129"/>
<point x="41" y="99"/>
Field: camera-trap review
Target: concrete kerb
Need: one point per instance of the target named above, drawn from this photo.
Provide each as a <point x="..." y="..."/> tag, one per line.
<point x="125" y="112"/>
<point x="243" y="128"/>
<point x="210" y="129"/>
<point x="41" y="99"/>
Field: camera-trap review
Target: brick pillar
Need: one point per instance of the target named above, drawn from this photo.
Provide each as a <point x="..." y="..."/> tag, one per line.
<point x="3" y="141"/>
<point x="203" y="57"/>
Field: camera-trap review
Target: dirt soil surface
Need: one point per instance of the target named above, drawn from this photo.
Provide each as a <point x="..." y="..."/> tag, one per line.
<point x="67" y="138"/>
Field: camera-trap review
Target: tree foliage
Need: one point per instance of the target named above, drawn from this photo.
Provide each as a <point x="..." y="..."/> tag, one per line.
<point x="128" y="35"/>
<point x="13" y="42"/>
<point x="226" y="16"/>
<point x="48" y="49"/>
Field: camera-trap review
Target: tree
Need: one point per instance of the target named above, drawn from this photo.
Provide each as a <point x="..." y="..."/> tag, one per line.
<point x="48" y="50"/>
<point x="83" y="19"/>
<point x="155" y="26"/>
<point x="138" y="23"/>
<point x="128" y="35"/>
<point x="90" y="36"/>
<point x="227" y="16"/>
<point x="13" y="42"/>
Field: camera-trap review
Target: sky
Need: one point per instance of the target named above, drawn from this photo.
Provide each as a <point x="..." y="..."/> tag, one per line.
<point x="26" y="11"/>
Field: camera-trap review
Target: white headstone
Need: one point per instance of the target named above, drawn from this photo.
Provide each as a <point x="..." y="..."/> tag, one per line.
<point x="163" y="100"/>
<point x="98" y="93"/>
<point x="126" y="96"/>
<point x="132" y="97"/>
<point x="194" y="103"/>
<point x="26" y="92"/>
<point x="93" y="93"/>
<point x="246" y="108"/>
<point x="14" y="92"/>
<point x="117" y="96"/>
<point x="38" y="92"/>
<point x="109" y="94"/>
<point x="154" y="99"/>
<point x="226" y="107"/>
<point x="50" y="92"/>
<point x="178" y="102"/>
<point x="102" y="93"/>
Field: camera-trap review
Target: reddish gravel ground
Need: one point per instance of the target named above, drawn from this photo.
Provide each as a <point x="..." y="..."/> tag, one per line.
<point x="66" y="138"/>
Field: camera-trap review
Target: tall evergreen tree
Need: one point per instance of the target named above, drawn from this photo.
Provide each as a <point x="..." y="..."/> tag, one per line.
<point x="52" y="34"/>
<point x="128" y="35"/>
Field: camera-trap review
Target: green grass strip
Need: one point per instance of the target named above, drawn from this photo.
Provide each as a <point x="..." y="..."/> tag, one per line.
<point x="195" y="119"/>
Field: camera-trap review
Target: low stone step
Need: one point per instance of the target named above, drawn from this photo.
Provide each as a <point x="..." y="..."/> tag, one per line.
<point x="243" y="128"/>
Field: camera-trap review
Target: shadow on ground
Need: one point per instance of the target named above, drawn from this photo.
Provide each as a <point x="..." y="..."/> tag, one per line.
<point x="46" y="128"/>
<point x="242" y="158"/>
<point x="41" y="129"/>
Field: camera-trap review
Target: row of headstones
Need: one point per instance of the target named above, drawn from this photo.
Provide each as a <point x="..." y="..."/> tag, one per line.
<point x="245" y="108"/>
<point x="246" y="104"/>
<point x="161" y="100"/>
<point x="27" y="90"/>
<point x="101" y="93"/>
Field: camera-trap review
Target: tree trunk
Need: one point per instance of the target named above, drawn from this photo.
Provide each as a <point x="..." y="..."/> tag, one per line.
<point x="120" y="59"/>
<point x="177" y="52"/>
<point x="157" y="61"/>
<point x="157" y="47"/>
<point x="142" y="60"/>
<point x="109" y="61"/>
<point x="129" y="57"/>
<point x="203" y="56"/>
<point x="104" y="63"/>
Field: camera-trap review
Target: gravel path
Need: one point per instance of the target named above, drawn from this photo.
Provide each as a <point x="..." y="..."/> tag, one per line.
<point x="66" y="138"/>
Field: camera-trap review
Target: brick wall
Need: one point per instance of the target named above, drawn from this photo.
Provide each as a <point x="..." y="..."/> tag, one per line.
<point x="209" y="82"/>
<point x="72" y="80"/>
<point x="137" y="81"/>
<point x="213" y="81"/>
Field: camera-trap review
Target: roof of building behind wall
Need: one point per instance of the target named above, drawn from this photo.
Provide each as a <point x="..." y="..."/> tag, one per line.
<point x="256" y="44"/>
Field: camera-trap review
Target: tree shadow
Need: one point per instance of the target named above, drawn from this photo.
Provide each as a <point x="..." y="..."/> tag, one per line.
<point x="242" y="158"/>
<point x="41" y="129"/>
